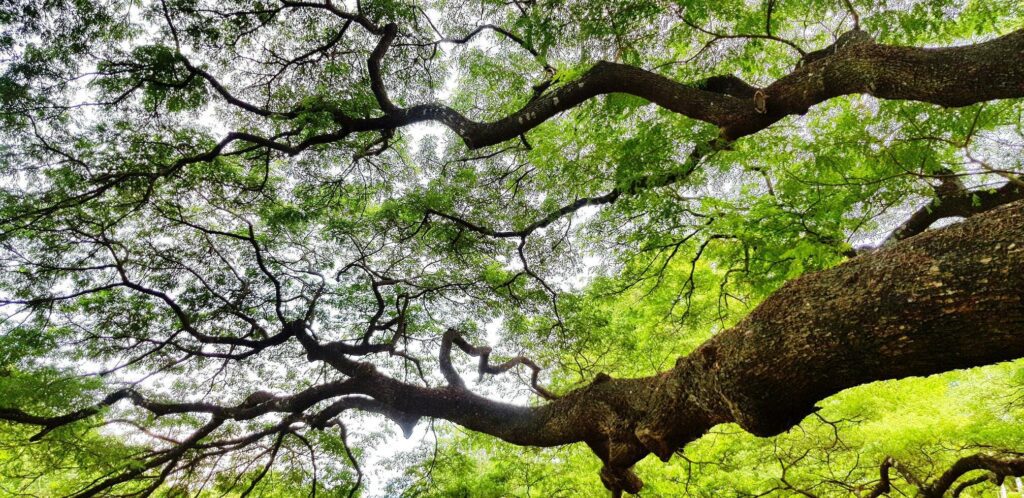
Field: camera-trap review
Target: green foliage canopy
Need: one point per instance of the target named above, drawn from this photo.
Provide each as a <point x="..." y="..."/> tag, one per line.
<point x="183" y="179"/>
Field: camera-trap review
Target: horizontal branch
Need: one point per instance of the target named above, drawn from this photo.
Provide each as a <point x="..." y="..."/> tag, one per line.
<point x="854" y="65"/>
<point x="256" y="404"/>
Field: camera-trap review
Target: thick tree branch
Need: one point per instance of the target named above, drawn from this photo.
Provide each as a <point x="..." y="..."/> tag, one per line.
<point x="855" y="64"/>
<point x="373" y="65"/>
<point x="946" y="299"/>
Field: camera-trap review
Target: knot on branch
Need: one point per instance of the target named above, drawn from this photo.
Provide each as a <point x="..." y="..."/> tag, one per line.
<point x="657" y="442"/>
<point x="852" y="38"/>
<point x="761" y="102"/>
<point x="729" y="85"/>
<point x="619" y="480"/>
<point x="949" y="185"/>
<point x="406" y="421"/>
<point x="258" y="398"/>
<point x="620" y="448"/>
<point x="845" y="41"/>
<point x="294" y="328"/>
<point x="453" y="337"/>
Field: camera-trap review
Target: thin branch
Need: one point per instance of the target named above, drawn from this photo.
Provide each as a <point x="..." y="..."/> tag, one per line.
<point x="452" y="336"/>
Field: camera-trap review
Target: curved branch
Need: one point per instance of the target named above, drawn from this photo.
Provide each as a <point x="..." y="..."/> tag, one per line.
<point x="853" y="65"/>
<point x="476" y="31"/>
<point x="958" y="203"/>
<point x="373" y="65"/>
<point x="453" y="337"/>
<point x="998" y="465"/>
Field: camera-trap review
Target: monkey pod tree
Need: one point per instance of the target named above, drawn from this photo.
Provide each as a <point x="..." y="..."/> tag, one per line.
<point x="226" y="226"/>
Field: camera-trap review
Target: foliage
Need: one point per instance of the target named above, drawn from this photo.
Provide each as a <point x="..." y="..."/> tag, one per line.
<point x="182" y="179"/>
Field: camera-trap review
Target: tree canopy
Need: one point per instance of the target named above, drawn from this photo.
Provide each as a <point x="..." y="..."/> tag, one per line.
<point x="240" y="242"/>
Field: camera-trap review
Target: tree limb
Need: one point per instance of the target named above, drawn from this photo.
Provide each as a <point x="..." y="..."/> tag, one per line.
<point x="946" y="299"/>
<point x="960" y="203"/>
<point x="855" y="64"/>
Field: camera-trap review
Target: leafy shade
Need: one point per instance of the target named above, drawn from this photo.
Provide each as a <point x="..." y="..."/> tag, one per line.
<point x="237" y="236"/>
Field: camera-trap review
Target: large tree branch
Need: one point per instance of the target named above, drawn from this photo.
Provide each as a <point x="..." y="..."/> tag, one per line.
<point x="855" y="64"/>
<point x="946" y="299"/>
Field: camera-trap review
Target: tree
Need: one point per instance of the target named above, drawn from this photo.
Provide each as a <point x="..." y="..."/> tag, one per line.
<point x="224" y="225"/>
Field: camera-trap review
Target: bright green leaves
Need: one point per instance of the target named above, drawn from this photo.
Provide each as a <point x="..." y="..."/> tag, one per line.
<point x="46" y="40"/>
<point x="939" y="21"/>
<point x="162" y="75"/>
<point x="284" y="216"/>
<point x="21" y="346"/>
<point x="42" y="390"/>
<point x="652" y="148"/>
<point x="538" y="30"/>
<point x="470" y="464"/>
<point x="58" y="467"/>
